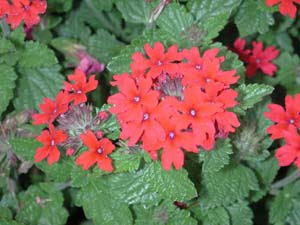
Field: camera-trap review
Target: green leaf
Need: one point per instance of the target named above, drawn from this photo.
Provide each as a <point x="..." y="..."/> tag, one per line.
<point x="151" y="184"/>
<point x="212" y="15"/>
<point x="278" y="213"/>
<point x="240" y="213"/>
<point x="7" y="85"/>
<point x="42" y="204"/>
<point x="37" y="55"/>
<point x="217" y="158"/>
<point x="294" y="216"/>
<point x="59" y="5"/>
<point x="110" y="126"/>
<point x="134" y="11"/>
<point x="251" y="19"/>
<point x="249" y="95"/>
<point x="226" y="186"/>
<point x="59" y="171"/>
<point x="25" y="148"/>
<point x="288" y="74"/>
<point x="5" y="213"/>
<point x="103" y="46"/>
<point x="35" y="84"/>
<point x="165" y="213"/>
<point x="100" y="206"/>
<point x="216" y="216"/>
<point x="8" y="52"/>
<point x="101" y="5"/>
<point x="5" y="221"/>
<point x="127" y="159"/>
<point x="176" y="22"/>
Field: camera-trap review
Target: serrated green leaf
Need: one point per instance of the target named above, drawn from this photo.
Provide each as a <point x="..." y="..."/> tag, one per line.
<point x="5" y="213"/>
<point x="25" y="148"/>
<point x="217" y="158"/>
<point x="294" y="216"/>
<point x="226" y="186"/>
<point x="175" y="21"/>
<point x="216" y="216"/>
<point x="37" y="55"/>
<point x="240" y="213"/>
<point x="101" y="5"/>
<point x="42" y="204"/>
<point x="165" y="213"/>
<point x="100" y="206"/>
<point x="212" y="15"/>
<point x="103" y="46"/>
<point x="59" y="171"/>
<point x="111" y="127"/>
<point x="134" y="11"/>
<point x="249" y="95"/>
<point x="251" y="19"/>
<point x="7" y="85"/>
<point x="59" y="5"/>
<point x="35" y="84"/>
<point x="5" y="221"/>
<point x="288" y="74"/>
<point x="126" y="159"/>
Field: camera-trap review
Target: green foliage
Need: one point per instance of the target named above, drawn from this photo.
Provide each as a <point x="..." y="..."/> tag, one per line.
<point x="164" y="213"/>
<point x="42" y="204"/>
<point x="249" y="95"/>
<point x="8" y="53"/>
<point x="25" y="147"/>
<point x="240" y="213"/>
<point x="7" y="85"/>
<point x="35" y="84"/>
<point x="251" y="19"/>
<point x="216" y="159"/>
<point x="36" y="55"/>
<point x="232" y="183"/>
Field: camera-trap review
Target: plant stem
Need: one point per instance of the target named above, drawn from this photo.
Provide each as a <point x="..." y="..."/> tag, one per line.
<point x="285" y="181"/>
<point x="64" y="185"/>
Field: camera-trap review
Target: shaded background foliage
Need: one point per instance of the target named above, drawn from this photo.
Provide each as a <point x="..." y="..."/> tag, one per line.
<point x="232" y="184"/>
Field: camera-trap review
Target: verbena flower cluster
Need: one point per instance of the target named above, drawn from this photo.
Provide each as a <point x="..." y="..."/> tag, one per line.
<point x="175" y="101"/>
<point x="76" y="125"/>
<point x="16" y="11"/>
<point x="286" y="7"/>
<point x="257" y="58"/>
<point x="287" y="124"/>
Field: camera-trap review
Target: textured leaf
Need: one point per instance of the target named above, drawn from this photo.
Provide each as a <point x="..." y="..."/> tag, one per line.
<point x="217" y="158"/>
<point x="35" y="84"/>
<point x="42" y="204"/>
<point x="165" y="213"/>
<point x="5" y="213"/>
<point x="226" y="186"/>
<point x="151" y="184"/>
<point x="100" y="206"/>
<point x="127" y="159"/>
<point x="110" y="126"/>
<point x="4" y="221"/>
<point x="288" y="74"/>
<point x="176" y="22"/>
<point x="37" y="55"/>
<point x="59" y="5"/>
<point x="8" y="52"/>
<point x="212" y="15"/>
<point x="103" y="45"/>
<point x="25" y="147"/>
<point x="134" y="11"/>
<point x="240" y="213"/>
<point x="102" y="5"/>
<point x="249" y="95"/>
<point x="7" y="85"/>
<point x="294" y="216"/>
<point x="216" y="216"/>
<point x="251" y="19"/>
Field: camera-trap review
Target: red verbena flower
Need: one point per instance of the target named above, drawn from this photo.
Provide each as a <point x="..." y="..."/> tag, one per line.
<point x="50" y="138"/>
<point x="4" y="8"/>
<point x="27" y="10"/>
<point x="290" y="152"/>
<point x="283" y="119"/>
<point x="52" y="109"/>
<point x="80" y="86"/>
<point x="261" y="59"/>
<point x="239" y="48"/>
<point x="286" y="7"/>
<point x="158" y="61"/>
<point x="97" y="153"/>
<point x="128" y="103"/>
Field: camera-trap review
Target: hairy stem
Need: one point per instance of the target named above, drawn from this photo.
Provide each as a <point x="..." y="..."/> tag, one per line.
<point x="285" y="181"/>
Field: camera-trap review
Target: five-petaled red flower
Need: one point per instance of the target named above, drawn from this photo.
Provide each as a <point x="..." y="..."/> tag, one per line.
<point x="261" y="59"/>
<point x="50" y="138"/>
<point x="239" y="48"/>
<point x="286" y="7"/>
<point x="52" y="109"/>
<point x="158" y="61"/>
<point x="290" y="152"/>
<point x="282" y="118"/>
<point x="97" y="153"/>
<point x="27" y="10"/>
<point x="80" y="86"/>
